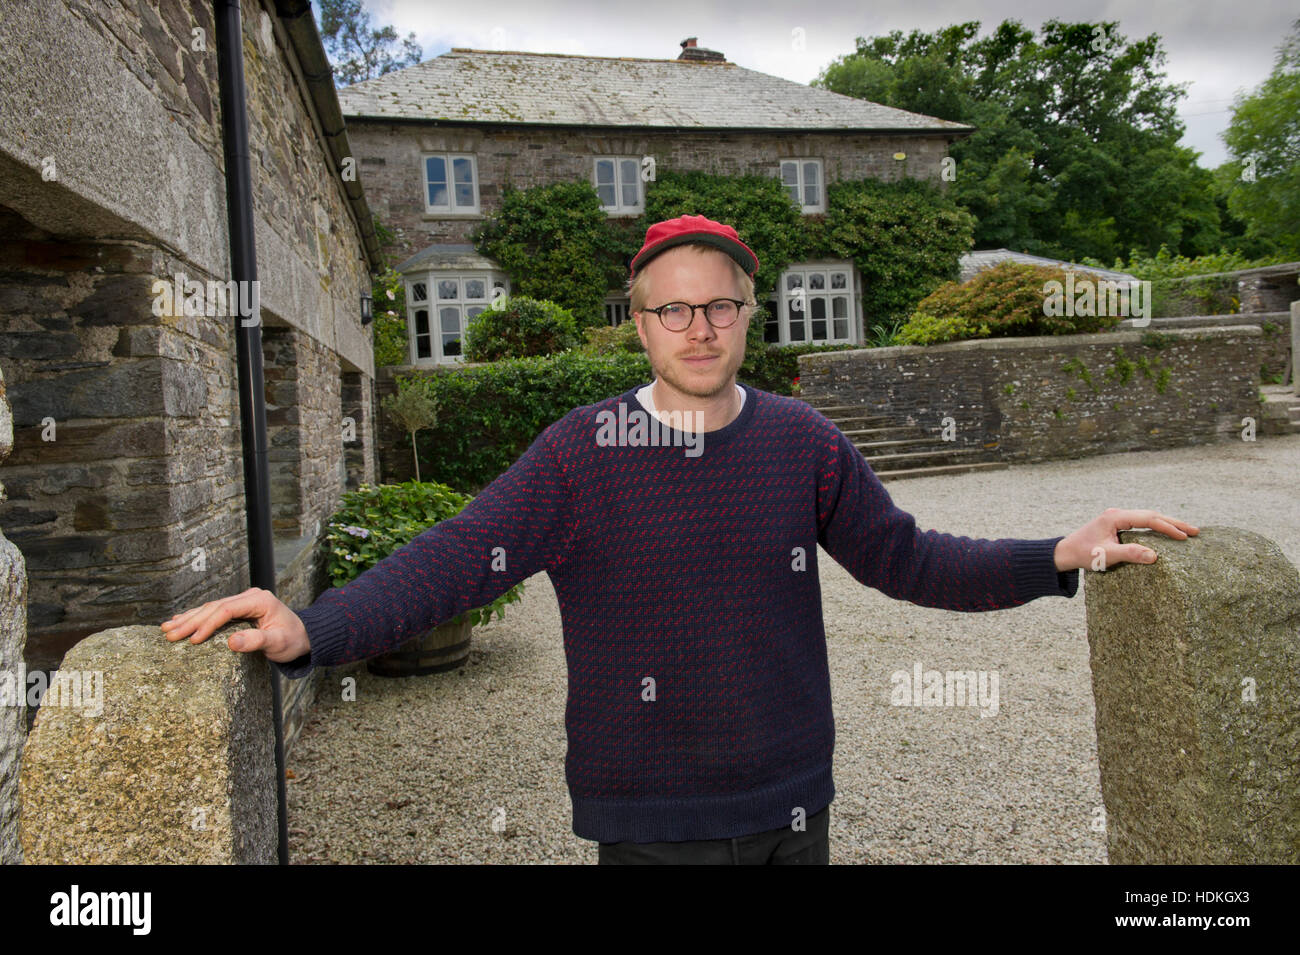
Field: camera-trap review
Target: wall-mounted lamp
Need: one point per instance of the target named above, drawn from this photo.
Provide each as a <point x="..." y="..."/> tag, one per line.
<point x="900" y="156"/>
<point x="367" y="309"/>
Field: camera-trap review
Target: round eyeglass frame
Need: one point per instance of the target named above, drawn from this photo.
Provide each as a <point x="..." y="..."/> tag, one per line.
<point x="739" y="303"/>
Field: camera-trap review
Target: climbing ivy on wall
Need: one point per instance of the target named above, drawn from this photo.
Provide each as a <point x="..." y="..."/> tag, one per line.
<point x="558" y="245"/>
<point x="904" y="237"/>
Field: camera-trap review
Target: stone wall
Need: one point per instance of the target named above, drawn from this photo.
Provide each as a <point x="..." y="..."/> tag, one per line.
<point x="390" y="160"/>
<point x="1268" y="293"/>
<point x="1243" y="291"/>
<point x="1275" y="349"/>
<point x="126" y="479"/>
<point x="1067" y="396"/>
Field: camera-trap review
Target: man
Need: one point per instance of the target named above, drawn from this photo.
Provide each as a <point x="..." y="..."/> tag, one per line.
<point x="699" y="711"/>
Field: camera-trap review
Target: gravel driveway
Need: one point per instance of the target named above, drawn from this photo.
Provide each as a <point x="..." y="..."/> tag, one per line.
<point x="469" y="766"/>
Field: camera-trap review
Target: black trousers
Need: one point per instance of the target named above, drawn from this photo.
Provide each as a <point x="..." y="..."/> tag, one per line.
<point x="784" y="846"/>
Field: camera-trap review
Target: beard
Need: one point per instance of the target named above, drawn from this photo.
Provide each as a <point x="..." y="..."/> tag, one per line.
<point x="717" y="381"/>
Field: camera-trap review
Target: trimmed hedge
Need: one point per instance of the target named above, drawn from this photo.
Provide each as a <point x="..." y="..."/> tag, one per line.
<point x="490" y="414"/>
<point x="519" y="327"/>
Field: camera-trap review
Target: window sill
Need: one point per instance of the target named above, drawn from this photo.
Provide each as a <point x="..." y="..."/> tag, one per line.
<point x="430" y="216"/>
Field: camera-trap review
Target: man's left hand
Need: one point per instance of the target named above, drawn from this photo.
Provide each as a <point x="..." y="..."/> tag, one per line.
<point x="1076" y="550"/>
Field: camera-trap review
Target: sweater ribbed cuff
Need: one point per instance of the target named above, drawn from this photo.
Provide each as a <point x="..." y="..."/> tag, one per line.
<point x="327" y="632"/>
<point x="1033" y="564"/>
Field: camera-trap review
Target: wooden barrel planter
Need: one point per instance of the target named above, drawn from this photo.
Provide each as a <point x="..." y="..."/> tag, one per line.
<point x="443" y="648"/>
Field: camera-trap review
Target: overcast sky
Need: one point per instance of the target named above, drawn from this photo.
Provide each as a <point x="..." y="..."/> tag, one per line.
<point x="1218" y="48"/>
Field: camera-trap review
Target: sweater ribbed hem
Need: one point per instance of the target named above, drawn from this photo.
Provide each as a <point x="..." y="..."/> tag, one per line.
<point x="327" y="631"/>
<point x="686" y="818"/>
<point x="1035" y="574"/>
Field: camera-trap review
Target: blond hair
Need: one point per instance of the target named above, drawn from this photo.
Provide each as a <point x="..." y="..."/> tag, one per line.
<point x="636" y="289"/>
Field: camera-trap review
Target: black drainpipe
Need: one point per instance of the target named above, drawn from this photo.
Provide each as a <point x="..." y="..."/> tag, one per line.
<point x="248" y="342"/>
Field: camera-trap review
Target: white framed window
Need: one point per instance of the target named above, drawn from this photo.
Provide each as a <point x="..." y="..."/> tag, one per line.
<point x="618" y="183"/>
<point x="818" y="302"/>
<point x="450" y="184"/>
<point x="804" y="183"/>
<point x="439" y="306"/>
<point x="618" y="310"/>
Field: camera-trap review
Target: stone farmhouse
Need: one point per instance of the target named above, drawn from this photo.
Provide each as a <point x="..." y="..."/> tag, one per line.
<point x="438" y="143"/>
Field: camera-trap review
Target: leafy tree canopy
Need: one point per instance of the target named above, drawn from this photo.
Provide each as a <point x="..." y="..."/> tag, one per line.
<point x="1262" y="181"/>
<point x="358" y="51"/>
<point x="1076" y="148"/>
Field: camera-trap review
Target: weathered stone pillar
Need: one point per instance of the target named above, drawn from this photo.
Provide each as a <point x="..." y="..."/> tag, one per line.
<point x="1295" y="346"/>
<point x="173" y="762"/>
<point x="1196" y="676"/>
<point x="13" y="640"/>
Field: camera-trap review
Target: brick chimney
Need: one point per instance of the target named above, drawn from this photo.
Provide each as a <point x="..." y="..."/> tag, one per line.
<point x="699" y="54"/>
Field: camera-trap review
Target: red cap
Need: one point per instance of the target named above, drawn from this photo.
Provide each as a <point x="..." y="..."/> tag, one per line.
<point x="664" y="235"/>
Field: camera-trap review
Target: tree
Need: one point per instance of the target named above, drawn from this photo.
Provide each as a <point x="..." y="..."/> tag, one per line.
<point x="1264" y="140"/>
<point x="1076" y="149"/>
<point x="412" y="408"/>
<point x="357" y="51"/>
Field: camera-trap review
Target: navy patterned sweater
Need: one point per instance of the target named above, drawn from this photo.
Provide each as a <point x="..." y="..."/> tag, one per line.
<point x="699" y="702"/>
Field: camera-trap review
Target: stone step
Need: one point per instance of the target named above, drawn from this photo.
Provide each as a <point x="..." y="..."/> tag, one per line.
<point x="831" y="411"/>
<point x="1280" y="413"/>
<point x="933" y="456"/>
<point x="886" y="444"/>
<point x="858" y="423"/>
<point x="863" y="434"/>
<point x="939" y="470"/>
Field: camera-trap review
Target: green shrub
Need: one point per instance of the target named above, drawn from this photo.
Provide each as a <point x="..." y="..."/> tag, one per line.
<point x="375" y="520"/>
<point x="1007" y="299"/>
<point x="519" y="327"/>
<point x="612" y="340"/>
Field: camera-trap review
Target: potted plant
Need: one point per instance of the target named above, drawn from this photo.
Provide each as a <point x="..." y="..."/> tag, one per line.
<point x="377" y="519"/>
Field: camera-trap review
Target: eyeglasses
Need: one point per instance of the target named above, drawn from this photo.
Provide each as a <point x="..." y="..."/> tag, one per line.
<point x="677" y="316"/>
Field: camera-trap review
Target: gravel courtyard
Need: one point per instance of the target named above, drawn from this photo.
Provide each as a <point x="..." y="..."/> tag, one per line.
<point x="469" y="766"/>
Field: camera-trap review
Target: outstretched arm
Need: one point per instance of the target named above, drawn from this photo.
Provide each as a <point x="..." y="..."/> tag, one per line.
<point x="521" y="523"/>
<point x="882" y="547"/>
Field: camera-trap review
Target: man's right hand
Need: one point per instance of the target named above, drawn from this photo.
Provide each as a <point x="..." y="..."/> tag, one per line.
<point x="280" y="631"/>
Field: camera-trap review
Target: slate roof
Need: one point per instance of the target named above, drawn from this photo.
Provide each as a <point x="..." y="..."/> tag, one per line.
<point x="554" y="89"/>
<point x="972" y="263"/>
<point x="446" y="256"/>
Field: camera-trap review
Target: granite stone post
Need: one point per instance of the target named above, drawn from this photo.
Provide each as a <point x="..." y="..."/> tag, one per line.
<point x="1196" y="677"/>
<point x="1295" y="346"/>
<point x="169" y="760"/>
<point x="13" y="640"/>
